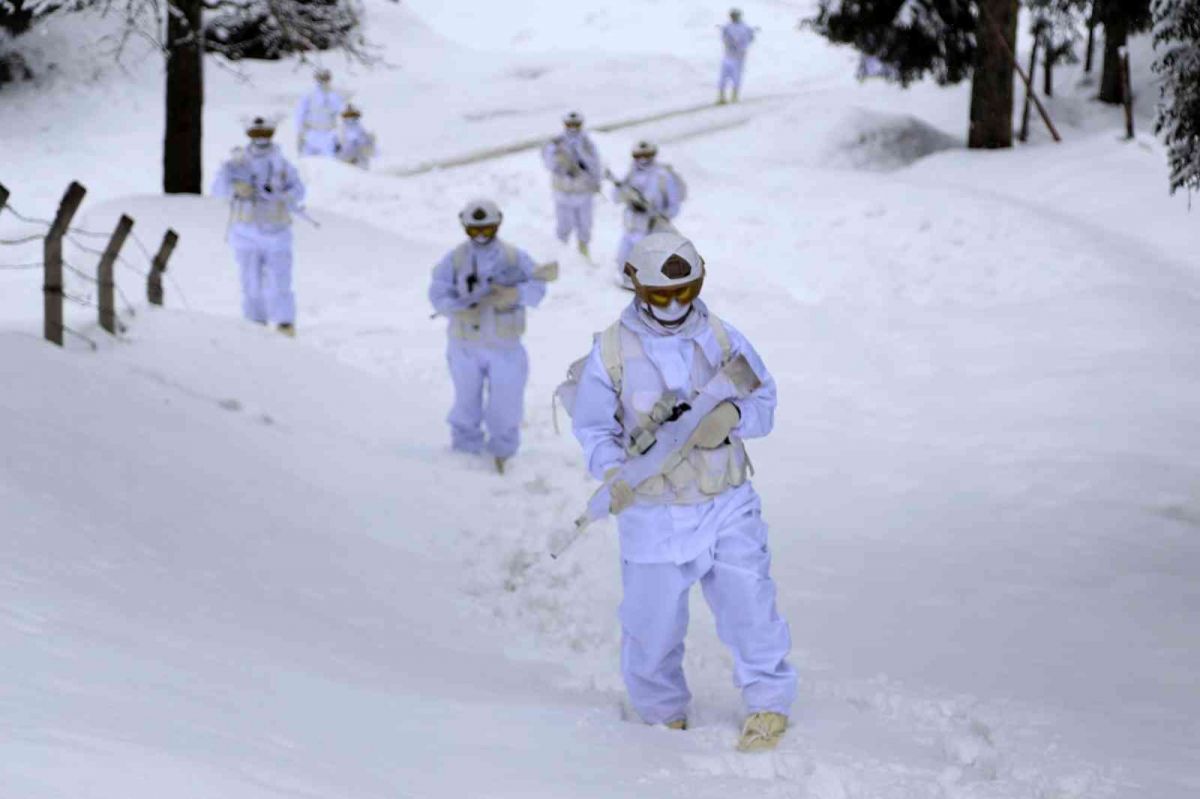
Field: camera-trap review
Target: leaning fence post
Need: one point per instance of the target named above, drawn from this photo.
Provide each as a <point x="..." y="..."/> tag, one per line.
<point x="154" y="287"/>
<point x="52" y="285"/>
<point x="104" y="274"/>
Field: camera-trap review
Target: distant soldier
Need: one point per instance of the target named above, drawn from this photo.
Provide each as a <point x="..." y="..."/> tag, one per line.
<point x="653" y="195"/>
<point x="575" y="164"/>
<point x="264" y="189"/>
<point x="316" y="117"/>
<point x="736" y="37"/>
<point x="483" y="287"/>
<point x="355" y="145"/>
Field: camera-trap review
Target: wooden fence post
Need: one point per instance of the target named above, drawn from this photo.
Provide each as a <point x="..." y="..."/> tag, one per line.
<point x="154" y="287"/>
<point x="104" y="274"/>
<point x="1012" y="58"/>
<point x="1033" y="54"/>
<point x="52" y="285"/>
<point x="1127" y="92"/>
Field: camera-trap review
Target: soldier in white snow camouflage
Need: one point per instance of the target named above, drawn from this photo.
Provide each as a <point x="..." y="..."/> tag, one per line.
<point x="263" y="189"/>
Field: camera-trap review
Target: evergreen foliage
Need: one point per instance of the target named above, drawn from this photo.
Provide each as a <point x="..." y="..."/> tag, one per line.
<point x="271" y="29"/>
<point x="915" y="37"/>
<point x="1177" y="42"/>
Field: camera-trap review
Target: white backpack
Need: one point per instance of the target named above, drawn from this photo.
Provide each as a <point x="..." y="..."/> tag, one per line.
<point x="680" y="183"/>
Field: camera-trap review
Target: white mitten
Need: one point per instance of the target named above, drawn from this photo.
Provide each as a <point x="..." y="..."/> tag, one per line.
<point x="622" y="495"/>
<point x="714" y="428"/>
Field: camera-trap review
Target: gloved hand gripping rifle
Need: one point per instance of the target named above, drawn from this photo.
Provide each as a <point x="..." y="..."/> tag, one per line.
<point x="735" y="380"/>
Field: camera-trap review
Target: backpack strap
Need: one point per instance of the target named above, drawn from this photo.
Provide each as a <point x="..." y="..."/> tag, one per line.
<point x="460" y="260"/>
<point x="510" y="254"/>
<point x="610" y="354"/>
<point x="718" y="329"/>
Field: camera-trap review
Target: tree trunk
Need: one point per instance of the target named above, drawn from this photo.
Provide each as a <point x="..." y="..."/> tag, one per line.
<point x="1048" y="75"/>
<point x="992" y="82"/>
<point x="1115" y="33"/>
<point x="1091" y="42"/>
<point x="185" y="98"/>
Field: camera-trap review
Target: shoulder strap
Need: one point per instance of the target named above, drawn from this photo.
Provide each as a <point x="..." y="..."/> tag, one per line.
<point x="461" y="260"/>
<point x="718" y="329"/>
<point x="610" y="354"/>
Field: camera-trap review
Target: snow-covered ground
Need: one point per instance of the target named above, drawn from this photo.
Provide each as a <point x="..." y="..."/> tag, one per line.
<point x="242" y="566"/>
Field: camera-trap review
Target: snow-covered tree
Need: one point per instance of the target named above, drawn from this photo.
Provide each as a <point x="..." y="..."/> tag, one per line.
<point x="948" y="39"/>
<point x="1057" y="24"/>
<point x="270" y="29"/>
<point x="1177" y="42"/>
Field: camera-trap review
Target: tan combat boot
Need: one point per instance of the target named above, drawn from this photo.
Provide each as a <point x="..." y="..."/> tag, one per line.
<point x="762" y="731"/>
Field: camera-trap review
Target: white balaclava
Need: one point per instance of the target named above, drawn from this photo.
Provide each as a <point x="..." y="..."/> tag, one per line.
<point x="672" y="316"/>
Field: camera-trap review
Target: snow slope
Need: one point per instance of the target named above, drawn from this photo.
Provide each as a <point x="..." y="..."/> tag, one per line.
<point x="243" y="566"/>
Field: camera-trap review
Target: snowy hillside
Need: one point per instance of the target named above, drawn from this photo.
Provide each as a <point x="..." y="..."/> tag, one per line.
<point x="237" y="565"/>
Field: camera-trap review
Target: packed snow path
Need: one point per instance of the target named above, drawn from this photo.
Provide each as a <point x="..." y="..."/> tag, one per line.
<point x="981" y="491"/>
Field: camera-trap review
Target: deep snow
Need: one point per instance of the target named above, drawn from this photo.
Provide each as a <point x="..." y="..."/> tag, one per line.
<point x="237" y="565"/>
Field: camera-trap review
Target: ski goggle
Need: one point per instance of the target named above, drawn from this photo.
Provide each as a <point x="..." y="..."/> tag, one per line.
<point x="475" y="231"/>
<point x="643" y="159"/>
<point x="662" y="296"/>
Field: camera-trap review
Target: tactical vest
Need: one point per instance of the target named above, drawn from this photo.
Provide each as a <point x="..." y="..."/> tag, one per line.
<point x="644" y="394"/>
<point x="470" y="324"/>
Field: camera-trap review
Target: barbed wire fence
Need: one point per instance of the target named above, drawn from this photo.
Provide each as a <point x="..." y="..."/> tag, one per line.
<point x="96" y="291"/>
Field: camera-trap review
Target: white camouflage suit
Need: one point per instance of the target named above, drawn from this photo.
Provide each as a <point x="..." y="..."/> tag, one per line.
<point x="575" y="163"/>
<point x="484" y="346"/>
<point x="263" y="188"/>
<point x="736" y="38"/>
<point x="316" y="121"/>
<point x="658" y="186"/>
<point x="702" y="523"/>
<point x="355" y="145"/>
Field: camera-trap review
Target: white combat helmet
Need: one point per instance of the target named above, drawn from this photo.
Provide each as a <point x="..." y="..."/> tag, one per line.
<point x="735" y="14"/>
<point x="573" y="119"/>
<point x="480" y="213"/>
<point x="261" y="128"/>
<point x="667" y="274"/>
<point x="645" y="149"/>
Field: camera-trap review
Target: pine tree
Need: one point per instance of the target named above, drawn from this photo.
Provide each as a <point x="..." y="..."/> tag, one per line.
<point x="950" y="40"/>
<point x="1057" y="25"/>
<point x="1121" y="18"/>
<point x="1177" y="43"/>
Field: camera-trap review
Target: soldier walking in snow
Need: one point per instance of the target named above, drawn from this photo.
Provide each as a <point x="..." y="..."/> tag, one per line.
<point x="355" y="145"/>
<point x="483" y="286"/>
<point x="316" y="117"/>
<point x="575" y="164"/>
<point x="264" y="189"/>
<point x="736" y="37"/>
<point x="652" y="193"/>
<point x="699" y="520"/>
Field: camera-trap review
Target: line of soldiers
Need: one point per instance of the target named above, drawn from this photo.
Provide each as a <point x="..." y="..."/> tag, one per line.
<point x="697" y="519"/>
<point x="317" y="131"/>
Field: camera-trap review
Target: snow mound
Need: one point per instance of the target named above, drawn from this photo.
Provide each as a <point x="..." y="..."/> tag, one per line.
<point x="880" y="142"/>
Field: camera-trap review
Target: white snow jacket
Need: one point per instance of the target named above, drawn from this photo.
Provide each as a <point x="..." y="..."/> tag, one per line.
<point x="575" y="163"/>
<point x="263" y="186"/>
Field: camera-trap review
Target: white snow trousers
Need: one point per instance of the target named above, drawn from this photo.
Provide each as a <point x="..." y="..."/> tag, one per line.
<point x="734" y="577"/>
<point x="731" y="74"/>
<point x="573" y="213"/>
<point x="265" y="261"/>
<point x="498" y="372"/>
<point x="319" y="142"/>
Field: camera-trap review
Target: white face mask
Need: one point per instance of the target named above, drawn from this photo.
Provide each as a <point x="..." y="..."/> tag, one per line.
<point x="670" y="316"/>
<point x="482" y="240"/>
<point x="260" y="146"/>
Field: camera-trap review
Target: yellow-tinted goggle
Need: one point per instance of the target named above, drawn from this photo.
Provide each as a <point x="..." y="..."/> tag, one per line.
<point x="475" y="231"/>
<point x="661" y="297"/>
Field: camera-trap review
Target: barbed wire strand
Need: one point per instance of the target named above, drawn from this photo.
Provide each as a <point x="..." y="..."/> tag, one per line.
<point x="79" y="335"/>
<point x="22" y="240"/>
<point x="15" y="267"/>
<point x="80" y="272"/>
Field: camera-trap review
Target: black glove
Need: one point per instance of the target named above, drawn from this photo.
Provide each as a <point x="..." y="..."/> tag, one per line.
<point x="637" y="206"/>
<point x="268" y="189"/>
